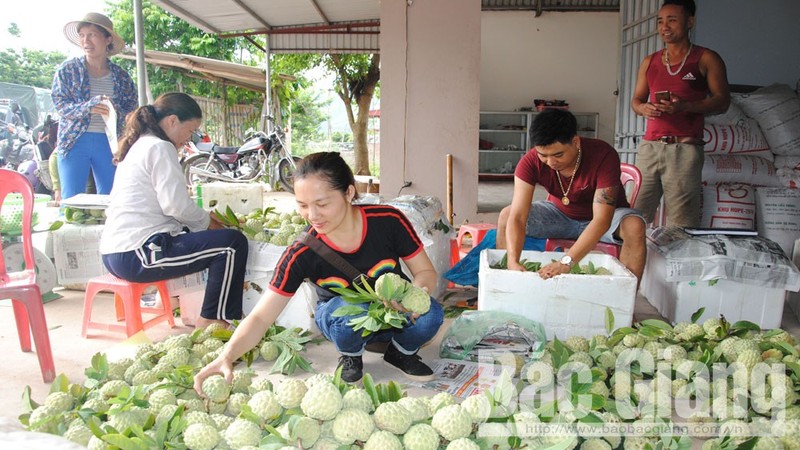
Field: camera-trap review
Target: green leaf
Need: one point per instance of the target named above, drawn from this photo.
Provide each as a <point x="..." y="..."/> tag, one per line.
<point x="60" y="384"/>
<point x="745" y="325"/>
<point x="348" y="310"/>
<point x="657" y="324"/>
<point x="28" y="404"/>
<point x="697" y="314"/>
<point x="123" y="442"/>
<point x="609" y="320"/>
<point x="785" y="348"/>
<point x="369" y="387"/>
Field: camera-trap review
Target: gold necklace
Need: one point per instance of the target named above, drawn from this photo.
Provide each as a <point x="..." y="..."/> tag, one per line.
<point x="666" y="61"/>
<point x="564" y="198"/>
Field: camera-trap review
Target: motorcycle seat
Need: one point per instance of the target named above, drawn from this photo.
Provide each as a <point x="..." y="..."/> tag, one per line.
<point x="225" y="150"/>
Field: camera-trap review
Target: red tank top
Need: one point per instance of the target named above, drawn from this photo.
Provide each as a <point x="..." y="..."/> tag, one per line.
<point x="688" y="84"/>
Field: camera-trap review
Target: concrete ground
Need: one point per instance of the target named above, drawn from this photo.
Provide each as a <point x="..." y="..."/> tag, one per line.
<point x="73" y="353"/>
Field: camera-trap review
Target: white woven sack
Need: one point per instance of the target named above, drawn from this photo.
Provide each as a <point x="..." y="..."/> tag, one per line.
<point x="733" y="116"/>
<point x="787" y="162"/>
<point x="777" y="110"/>
<point x="746" y="137"/>
<point x="729" y="205"/>
<point x="739" y="169"/>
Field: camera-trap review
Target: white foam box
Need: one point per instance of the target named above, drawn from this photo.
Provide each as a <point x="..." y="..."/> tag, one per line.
<point x="263" y="256"/>
<point x="566" y="305"/>
<point x="242" y="198"/>
<point x="678" y="300"/>
<point x="794" y="297"/>
<point x="187" y="283"/>
<point x="299" y="312"/>
<point x="76" y="250"/>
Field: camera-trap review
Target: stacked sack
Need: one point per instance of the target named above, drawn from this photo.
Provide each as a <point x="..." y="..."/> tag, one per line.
<point x="752" y="167"/>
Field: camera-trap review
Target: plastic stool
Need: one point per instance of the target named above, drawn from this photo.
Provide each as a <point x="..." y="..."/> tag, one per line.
<point x="476" y="230"/>
<point x="127" y="302"/>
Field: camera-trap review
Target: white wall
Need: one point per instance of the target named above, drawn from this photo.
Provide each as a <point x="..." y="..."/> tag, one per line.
<point x="430" y="62"/>
<point x="571" y="56"/>
<point x="758" y="40"/>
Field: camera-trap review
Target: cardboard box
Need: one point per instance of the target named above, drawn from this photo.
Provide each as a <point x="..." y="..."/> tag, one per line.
<point x="677" y="301"/>
<point x="76" y="249"/>
<point x="191" y="302"/>
<point x="242" y="198"/>
<point x="567" y="305"/>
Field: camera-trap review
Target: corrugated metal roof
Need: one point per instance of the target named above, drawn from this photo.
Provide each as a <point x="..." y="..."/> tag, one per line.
<point x="550" y="5"/>
<point x="326" y="25"/>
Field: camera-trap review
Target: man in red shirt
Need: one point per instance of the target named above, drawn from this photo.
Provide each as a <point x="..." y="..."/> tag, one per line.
<point x="586" y="199"/>
<point x="675" y="88"/>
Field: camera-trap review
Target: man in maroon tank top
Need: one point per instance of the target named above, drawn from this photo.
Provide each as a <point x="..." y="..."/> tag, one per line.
<point x="675" y="88"/>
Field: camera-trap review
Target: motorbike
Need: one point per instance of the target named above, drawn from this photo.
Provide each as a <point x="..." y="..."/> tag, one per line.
<point x="19" y="152"/>
<point x="261" y="155"/>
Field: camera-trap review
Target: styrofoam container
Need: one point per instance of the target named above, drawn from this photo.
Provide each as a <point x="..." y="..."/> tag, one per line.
<point x="567" y="305"/>
<point x="263" y="256"/>
<point x="299" y="312"/>
<point x="677" y="301"/>
<point x="794" y="297"/>
<point x="76" y="249"/>
<point x="242" y="198"/>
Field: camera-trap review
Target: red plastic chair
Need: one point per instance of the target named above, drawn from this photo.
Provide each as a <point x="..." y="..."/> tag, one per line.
<point x="630" y="174"/>
<point x="21" y="286"/>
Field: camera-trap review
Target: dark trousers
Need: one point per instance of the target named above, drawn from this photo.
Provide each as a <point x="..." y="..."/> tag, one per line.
<point x="222" y="252"/>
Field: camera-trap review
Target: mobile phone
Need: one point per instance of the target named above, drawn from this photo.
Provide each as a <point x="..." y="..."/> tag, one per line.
<point x="662" y="95"/>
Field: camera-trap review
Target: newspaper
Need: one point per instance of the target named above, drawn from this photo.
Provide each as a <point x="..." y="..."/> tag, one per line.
<point x="461" y="378"/>
<point x="749" y="260"/>
<point x="111" y="125"/>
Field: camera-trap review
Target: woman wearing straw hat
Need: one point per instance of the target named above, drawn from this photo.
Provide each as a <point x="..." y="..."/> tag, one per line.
<point x="79" y="87"/>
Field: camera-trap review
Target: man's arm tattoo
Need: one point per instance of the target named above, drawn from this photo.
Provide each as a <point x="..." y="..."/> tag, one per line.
<point x="606" y="196"/>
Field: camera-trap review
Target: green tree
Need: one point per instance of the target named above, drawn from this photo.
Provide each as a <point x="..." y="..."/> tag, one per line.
<point x="357" y="77"/>
<point x="165" y="32"/>
<point x="29" y="67"/>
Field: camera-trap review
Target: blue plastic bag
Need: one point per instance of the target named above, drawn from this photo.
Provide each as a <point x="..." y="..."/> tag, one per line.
<point x="465" y="272"/>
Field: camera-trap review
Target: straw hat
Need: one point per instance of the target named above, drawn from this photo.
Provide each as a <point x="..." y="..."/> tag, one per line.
<point x="71" y="31"/>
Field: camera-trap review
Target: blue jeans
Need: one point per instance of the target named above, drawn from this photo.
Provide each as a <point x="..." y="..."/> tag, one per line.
<point x="545" y="220"/>
<point x="91" y="150"/>
<point x="348" y="342"/>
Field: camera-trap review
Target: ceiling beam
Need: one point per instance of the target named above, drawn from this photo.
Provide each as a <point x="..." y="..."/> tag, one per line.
<point x="344" y="28"/>
<point x="185" y="13"/>
<point x="253" y="14"/>
<point x="320" y="12"/>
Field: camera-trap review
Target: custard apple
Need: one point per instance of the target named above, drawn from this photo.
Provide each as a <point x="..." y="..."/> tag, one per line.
<point x="352" y="425"/>
<point x="242" y="432"/>
<point x="216" y="388"/>
<point x="462" y="444"/>
<point x="391" y="416"/>
<point x="265" y="405"/>
<point x="421" y="436"/>
<point x="269" y="351"/>
<point x="290" y="392"/>
<point x="478" y="406"/>
<point x="322" y="401"/>
<point x="359" y="399"/>
<point x="383" y="440"/>
<point x="201" y="436"/>
<point x="452" y="422"/>
<point x="417" y="408"/>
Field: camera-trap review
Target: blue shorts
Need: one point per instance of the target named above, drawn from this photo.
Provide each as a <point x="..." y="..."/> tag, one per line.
<point x="545" y="220"/>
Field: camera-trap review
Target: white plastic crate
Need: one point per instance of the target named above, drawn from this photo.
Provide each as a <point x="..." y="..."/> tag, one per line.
<point x="567" y="305"/>
<point x="677" y="301"/>
<point x="242" y="198"/>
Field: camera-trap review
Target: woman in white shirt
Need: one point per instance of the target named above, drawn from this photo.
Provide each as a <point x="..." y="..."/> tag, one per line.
<point x="154" y="231"/>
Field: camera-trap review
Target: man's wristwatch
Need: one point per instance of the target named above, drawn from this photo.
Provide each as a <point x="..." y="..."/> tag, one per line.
<point x="567" y="261"/>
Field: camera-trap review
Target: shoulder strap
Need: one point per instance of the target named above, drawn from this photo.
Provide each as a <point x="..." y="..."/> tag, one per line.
<point x="329" y="255"/>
